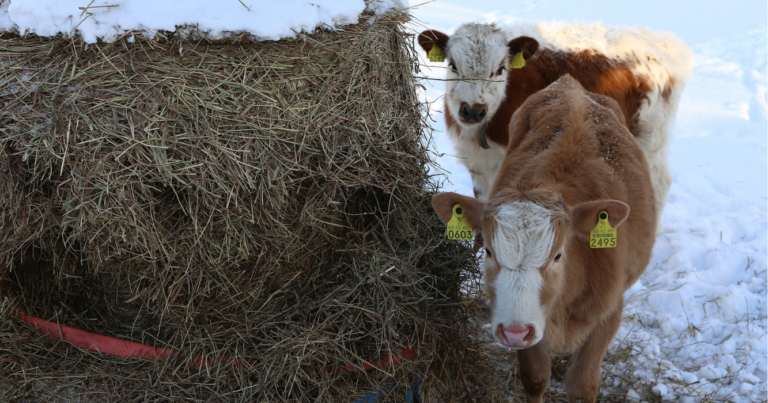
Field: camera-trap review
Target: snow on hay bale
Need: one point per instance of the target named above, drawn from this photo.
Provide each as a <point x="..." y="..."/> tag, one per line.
<point x="267" y="202"/>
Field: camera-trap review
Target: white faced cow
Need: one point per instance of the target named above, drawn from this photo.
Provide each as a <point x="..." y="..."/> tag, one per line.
<point x="644" y="71"/>
<point x="570" y="160"/>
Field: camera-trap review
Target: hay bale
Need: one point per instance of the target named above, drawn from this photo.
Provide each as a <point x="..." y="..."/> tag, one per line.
<point x="259" y="201"/>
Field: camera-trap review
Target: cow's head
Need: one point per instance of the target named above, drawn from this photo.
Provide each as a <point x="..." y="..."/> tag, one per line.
<point x="477" y="57"/>
<point x="525" y="237"/>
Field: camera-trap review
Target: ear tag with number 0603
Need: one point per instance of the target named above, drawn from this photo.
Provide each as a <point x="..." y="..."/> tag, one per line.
<point x="458" y="228"/>
<point x="517" y="62"/>
<point x="603" y="235"/>
<point x="436" y="54"/>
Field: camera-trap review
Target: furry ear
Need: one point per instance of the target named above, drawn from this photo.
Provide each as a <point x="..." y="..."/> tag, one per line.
<point x="473" y="209"/>
<point x="584" y="216"/>
<point x="525" y="44"/>
<point x="430" y="38"/>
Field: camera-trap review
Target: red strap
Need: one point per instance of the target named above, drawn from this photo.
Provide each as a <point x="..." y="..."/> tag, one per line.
<point x="124" y="348"/>
<point x="405" y="354"/>
<point x="95" y="342"/>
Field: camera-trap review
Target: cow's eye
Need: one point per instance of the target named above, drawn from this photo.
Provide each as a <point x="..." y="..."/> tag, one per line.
<point x="487" y="252"/>
<point x="452" y="66"/>
<point x="557" y="257"/>
<point x="500" y="70"/>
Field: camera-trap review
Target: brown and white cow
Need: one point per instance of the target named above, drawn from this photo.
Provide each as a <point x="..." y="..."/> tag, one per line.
<point x="643" y="70"/>
<point x="570" y="158"/>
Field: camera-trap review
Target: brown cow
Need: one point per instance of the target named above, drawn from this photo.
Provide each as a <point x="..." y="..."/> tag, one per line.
<point x="643" y="70"/>
<point x="570" y="158"/>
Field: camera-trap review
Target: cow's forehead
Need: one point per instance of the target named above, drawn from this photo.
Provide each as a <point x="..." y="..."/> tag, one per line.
<point x="477" y="48"/>
<point x="523" y="235"/>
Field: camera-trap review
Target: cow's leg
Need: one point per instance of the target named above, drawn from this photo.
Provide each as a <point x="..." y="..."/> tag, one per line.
<point x="535" y="371"/>
<point x="582" y="381"/>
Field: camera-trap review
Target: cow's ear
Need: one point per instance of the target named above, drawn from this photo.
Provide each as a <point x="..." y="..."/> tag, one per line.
<point x="430" y="38"/>
<point x="525" y="44"/>
<point x="585" y="216"/>
<point x="472" y="208"/>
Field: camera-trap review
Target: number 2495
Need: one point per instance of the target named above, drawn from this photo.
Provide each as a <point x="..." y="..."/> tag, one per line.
<point x="603" y="242"/>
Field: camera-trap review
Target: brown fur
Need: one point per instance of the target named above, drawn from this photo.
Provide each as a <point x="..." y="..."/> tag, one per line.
<point x="570" y="152"/>
<point x="595" y="72"/>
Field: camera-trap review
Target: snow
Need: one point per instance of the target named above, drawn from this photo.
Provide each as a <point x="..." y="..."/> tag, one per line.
<point x="108" y="20"/>
<point x="695" y="322"/>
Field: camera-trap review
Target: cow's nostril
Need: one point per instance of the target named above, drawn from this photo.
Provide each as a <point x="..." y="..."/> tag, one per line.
<point x="473" y="114"/>
<point x="481" y="115"/>
<point x="464" y="111"/>
<point x="531" y="333"/>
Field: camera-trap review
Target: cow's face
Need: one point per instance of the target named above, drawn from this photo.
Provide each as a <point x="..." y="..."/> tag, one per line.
<point x="525" y="260"/>
<point x="477" y="56"/>
<point x="523" y="268"/>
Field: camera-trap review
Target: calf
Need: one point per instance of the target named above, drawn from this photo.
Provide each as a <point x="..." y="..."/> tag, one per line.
<point x="570" y="159"/>
<point x="644" y="71"/>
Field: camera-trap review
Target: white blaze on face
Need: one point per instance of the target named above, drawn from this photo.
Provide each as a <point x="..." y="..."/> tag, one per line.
<point x="522" y="244"/>
<point x="477" y="50"/>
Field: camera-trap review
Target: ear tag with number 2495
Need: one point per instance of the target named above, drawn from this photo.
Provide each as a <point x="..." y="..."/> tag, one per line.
<point x="458" y="228"/>
<point x="603" y="235"/>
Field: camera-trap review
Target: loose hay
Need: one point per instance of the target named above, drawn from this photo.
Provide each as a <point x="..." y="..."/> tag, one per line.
<point x="260" y="201"/>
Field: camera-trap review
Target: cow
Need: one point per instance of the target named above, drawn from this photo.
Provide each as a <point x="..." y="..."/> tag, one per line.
<point x="643" y="70"/>
<point x="571" y="161"/>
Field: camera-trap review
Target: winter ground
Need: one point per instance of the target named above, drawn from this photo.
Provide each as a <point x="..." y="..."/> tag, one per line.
<point x="694" y="325"/>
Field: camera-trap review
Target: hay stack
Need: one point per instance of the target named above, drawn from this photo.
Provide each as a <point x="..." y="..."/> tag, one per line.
<point x="260" y="201"/>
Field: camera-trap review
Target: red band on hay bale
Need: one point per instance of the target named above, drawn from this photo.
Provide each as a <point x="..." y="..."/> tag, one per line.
<point x="95" y="342"/>
<point x="405" y="354"/>
<point x="124" y="348"/>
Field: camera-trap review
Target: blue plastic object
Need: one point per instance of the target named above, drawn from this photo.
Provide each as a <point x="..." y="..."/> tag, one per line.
<point x="411" y="393"/>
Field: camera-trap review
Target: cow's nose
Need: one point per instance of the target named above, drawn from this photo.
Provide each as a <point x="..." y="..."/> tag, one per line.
<point x="515" y="336"/>
<point x="474" y="113"/>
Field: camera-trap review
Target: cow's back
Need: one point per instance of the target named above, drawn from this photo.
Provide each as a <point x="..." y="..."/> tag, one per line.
<point x="576" y="143"/>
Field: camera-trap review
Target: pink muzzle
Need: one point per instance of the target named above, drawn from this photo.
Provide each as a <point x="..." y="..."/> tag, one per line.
<point x="515" y="336"/>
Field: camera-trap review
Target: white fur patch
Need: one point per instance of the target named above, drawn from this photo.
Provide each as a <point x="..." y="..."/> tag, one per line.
<point x="517" y="301"/>
<point x="524" y="236"/>
<point x="483" y="164"/>
<point x="477" y="50"/>
<point x="522" y="244"/>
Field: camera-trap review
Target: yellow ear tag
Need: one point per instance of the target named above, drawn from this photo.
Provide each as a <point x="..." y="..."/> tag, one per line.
<point x="603" y="235"/>
<point x="457" y="227"/>
<point x="436" y="54"/>
<point x="517" y="62"/>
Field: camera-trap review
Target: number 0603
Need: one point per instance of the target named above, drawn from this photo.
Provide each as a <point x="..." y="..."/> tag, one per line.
<point x="459" y="234"/>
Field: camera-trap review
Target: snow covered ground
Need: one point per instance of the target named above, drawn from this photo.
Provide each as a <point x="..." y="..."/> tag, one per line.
<point x="695" y="323"/>
<point x="110" y="19"/>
